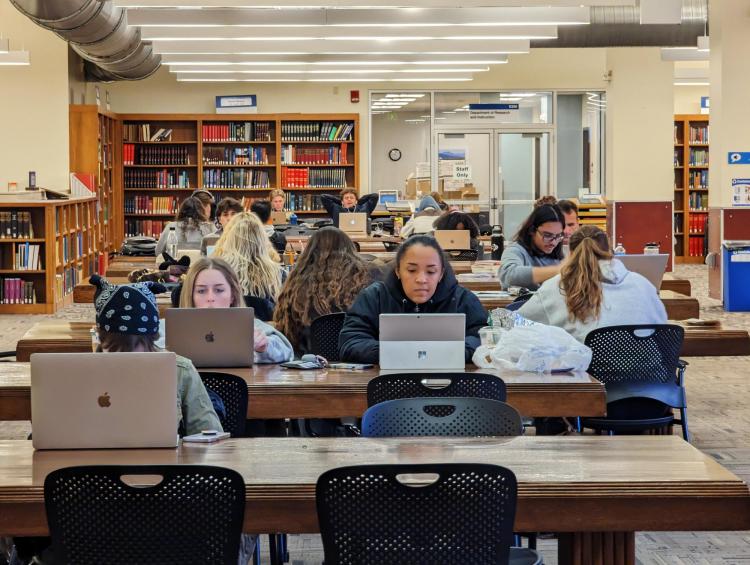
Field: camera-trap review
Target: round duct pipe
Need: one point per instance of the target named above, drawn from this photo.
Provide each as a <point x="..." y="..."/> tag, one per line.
<point x="99" y="33"/>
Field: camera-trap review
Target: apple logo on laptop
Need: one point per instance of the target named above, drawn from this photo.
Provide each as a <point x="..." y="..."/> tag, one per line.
<point x="210" y="337"/>
<point x="103" y="400"/>
<point x="421" y="355"/>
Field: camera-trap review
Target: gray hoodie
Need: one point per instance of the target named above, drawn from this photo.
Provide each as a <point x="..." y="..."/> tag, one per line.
<point x="629" y="298"/>
<point x="517" y="265"/>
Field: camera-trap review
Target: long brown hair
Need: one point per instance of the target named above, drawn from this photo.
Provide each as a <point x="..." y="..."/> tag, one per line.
<point x="326" y="278"/>
<point x="581" y="278"/>
<point x="204" y="264"/>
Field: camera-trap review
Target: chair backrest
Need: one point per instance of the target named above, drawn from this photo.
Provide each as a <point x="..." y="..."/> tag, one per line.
<point x="233" y="391"/>
<point x="450" y="416"/>
<point x="411" y="385"/>
<point x="263" y="307"/>
<point x="324" y="335"/>
<point x="462" y="255"/>
<point x="194" y="515"/>
<point x="645" y="352"/>
<point x="370" y="514"/>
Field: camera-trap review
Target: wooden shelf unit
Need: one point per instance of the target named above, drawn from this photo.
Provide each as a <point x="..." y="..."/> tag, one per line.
<point x="68" y="251"/>
<point x="691" y="186"/>
<point x="190" y="132"/>
<point x="592" y="214"/>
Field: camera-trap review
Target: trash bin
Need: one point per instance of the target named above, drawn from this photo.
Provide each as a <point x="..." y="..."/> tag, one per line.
<point x="736" y="274"/>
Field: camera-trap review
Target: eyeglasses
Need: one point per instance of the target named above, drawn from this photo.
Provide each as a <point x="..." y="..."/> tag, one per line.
<point x="550" y="237"/>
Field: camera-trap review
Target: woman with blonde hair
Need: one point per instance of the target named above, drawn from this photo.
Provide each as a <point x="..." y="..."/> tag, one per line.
<point x="326" y="279"/>
<point x="594" y="290"/>
<point x="248" y="251"/>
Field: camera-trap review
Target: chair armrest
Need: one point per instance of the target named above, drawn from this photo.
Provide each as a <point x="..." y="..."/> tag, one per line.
<point x="681" y="366"/>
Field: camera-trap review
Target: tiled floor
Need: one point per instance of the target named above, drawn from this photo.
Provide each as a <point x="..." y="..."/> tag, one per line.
<point x="719" y="394"/>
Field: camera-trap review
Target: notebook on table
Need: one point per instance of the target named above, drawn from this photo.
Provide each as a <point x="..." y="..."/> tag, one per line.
<point x="103" y="400"/>
<point x="422" y="341"/>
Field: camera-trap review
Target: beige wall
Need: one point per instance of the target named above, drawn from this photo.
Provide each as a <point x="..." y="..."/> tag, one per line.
<point x="639" y="125"/>
<point x="687" y="99"/>
<point x="33" y="106"/>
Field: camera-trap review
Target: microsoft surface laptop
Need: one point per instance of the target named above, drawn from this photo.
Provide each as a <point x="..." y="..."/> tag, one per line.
<point x="650" y="266"/>
<point x="103" y="400"/>
<point x="212" y="337"/>
<point x="354" y="223"/>
<point x="452" y="240"/>
<point x="279" y="218"/>
<point x="422" y="341"/>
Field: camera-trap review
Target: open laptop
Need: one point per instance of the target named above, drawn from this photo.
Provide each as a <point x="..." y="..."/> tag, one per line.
<point x="422" y="341"/>
<point x="212" y="337"/>
<point x="103" y="400"/>
<point x="386" y="197"/>
<point x="650" y="266"/>
<point x="452" y="240"/>
<point x="353" y="223"/>
<point x="279" y="218"/>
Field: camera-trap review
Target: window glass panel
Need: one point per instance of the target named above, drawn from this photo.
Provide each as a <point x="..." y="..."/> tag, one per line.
<point x="580" y="143"/>
<point x="488" y="108"/>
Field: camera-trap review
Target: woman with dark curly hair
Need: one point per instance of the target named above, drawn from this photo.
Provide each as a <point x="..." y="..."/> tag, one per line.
<point x="190" y="225"/>
<point x="326" y="279"/>
<point x="461" y="221"/>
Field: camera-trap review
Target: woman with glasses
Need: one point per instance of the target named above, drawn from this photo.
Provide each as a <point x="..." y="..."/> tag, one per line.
<point x="536" y="254"/>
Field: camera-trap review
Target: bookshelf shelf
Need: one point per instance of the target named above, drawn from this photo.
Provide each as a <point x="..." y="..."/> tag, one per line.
<point x="160" y="166"/>
<point x="21" y="240"/>
<point x="293" y="141"/>
<point x="692" y="185"/>
<point x="258" y="166"/>
<point x="152" y="215"/>
<point x="253" y="142"/>
<point x="193" y="142"/>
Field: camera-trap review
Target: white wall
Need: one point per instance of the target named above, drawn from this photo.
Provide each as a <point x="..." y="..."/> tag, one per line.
<point x="33" y="106"/>
<point x="687" y="99"/>
<point x="412" y="139"/>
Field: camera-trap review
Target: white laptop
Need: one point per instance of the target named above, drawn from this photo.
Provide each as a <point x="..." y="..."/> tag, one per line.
<point x="452" y="240"/>
<point x="212" y="337"/>
<point x="422" y="341"/>
<point x="386" y="197"/>
<point x="279" y="218"/>
<point x="353" y="223"/>
<point x="103" y="400"/>
<point x="650" y="266"/>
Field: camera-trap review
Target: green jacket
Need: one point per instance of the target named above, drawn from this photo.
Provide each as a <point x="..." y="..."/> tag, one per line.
<point x="194" y="408"/>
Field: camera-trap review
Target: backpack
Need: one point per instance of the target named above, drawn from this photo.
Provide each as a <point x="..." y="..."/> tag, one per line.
<point x="139" y="246"/>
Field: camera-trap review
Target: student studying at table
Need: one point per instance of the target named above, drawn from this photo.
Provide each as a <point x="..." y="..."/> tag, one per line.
<point x="423" y="220"/>
<point x="226" y="209"/>
<point x="593" y="290"/>
<point x="536" y="253"/>
<point x="326" y="278"/>
<point x="420" y="282"/>
<point x="262" y="209"/>
<point x="190" y="225"/>
<point x="347" y="203"/>
<point x="462" y="221"/>
<point x="278" y="199"/>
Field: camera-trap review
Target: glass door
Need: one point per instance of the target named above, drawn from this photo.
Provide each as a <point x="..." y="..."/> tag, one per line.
<point x="523" y="175"/>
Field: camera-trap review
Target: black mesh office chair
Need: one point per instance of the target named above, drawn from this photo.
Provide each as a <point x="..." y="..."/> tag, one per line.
<point x="643" y="375"/>
<point x="324" y="333"/>
<point x="373" y="514"/>
<point x="194" y="515"/>
<point x="437" y="385"/>
<point x="233" y="391"/>
<point x="462" y="255"/>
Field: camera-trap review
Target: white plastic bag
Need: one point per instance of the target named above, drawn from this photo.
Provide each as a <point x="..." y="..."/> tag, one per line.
<point x="535" y="349"/>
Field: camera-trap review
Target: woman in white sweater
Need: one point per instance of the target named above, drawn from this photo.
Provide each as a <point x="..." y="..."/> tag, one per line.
<point x="594" y="290"/>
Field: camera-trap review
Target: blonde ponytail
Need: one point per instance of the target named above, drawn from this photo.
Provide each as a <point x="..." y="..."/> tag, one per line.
<point x="581" y="278"/>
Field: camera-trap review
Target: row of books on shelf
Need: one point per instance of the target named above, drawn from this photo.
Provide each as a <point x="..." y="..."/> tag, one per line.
<point x="28" y="257"/>
<point x="72" y="247"/>
<point x="699" y="134"/>
<point x="316" y="131"/>
<point x="698" y="201"/>
<point x="293" y="155"/>
<point x="166" y="178"/>
<point x="142" y="132"/>
<point x="14" y="290"/>
<point x="313" y="178"/>
<point x="105" y="155"/>
<point x="697" y="223"/>
<point x="16" y="224"/>
<point x="697" y="246"/>
<point x="235" y="155"/>
<point x="155" y="155"/>
<point x="67" y="280"/>
<point x="699" y="179"/>
<point x="303" y="202"/>
<point x="236" y="178"/>
<point x="143" y="204"/>
<point x="698" y="157"/>
<point x="147" y="228"/>
<point x="238" y="131"/>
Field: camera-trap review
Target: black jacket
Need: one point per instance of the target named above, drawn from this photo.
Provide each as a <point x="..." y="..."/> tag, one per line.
<point x="332" y="204"/>
<point x="359" y="338"/>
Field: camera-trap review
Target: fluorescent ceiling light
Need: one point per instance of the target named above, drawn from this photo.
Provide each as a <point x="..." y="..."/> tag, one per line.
<point x="366" y="3"/>
<point x="374" y="17"/>
<point x="683" y="54"/>
<point x="307" y="75"/>
<point x="15" y="58"/>
<point x="332" y="71"/>
<point x="404" y="95"/>
<point x="336" y="59"/>
<point x="687" y="83"/>
<point x="341" y="79"/>
<point x="415" y="121"/>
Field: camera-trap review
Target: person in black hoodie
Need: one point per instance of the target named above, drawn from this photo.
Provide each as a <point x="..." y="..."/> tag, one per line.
<point x="348" y="203"/>
<point x="422" y="281"/>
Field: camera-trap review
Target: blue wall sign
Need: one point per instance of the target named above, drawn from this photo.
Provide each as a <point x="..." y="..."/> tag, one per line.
<point x="738" y="158"/>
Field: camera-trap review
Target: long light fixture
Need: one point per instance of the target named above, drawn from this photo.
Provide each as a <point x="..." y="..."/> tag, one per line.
<point x="303" y="75"/>
<point x="442" y="70"/>
<point x="15" y="58"/>
<point x="338" y="79"/>
<point x="333" y="60"/>
<point x="684" y="54"/>
<point x="412" y="4"/>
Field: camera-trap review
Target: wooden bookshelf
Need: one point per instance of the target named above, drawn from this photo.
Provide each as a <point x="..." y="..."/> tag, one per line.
<point x="592" y="214"/>
<point x="691" y="186"/>
<point x="243" y="156"/>
<point x="66" y="237"/>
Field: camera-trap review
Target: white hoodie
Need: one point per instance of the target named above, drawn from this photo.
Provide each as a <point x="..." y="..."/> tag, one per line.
<point x="629" y="298"/>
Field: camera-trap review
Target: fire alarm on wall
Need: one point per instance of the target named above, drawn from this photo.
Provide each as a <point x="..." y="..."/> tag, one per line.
<point x="354" y="96"/>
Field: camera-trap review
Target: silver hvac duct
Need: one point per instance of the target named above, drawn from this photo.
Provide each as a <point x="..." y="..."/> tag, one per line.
<point x="99" y="33"/>
<point x="619" y="26"/>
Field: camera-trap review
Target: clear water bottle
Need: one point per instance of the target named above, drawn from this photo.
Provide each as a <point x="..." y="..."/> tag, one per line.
<point x="172" y="242"/>
<point x="293" y="219"/>
<point x="620" y="249"/>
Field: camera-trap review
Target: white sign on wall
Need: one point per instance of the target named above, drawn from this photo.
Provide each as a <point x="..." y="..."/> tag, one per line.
<point x="462" y="172"/>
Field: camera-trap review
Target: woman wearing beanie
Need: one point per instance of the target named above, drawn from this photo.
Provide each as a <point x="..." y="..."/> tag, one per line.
<point x="127" y="320"/>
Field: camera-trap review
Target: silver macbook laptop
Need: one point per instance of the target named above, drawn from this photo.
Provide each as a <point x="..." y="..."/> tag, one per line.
<point x="650" y="266"/>
<point x="452" y="240"/>
<point x="103" y="400"/>
<point x="422" y="341"/>
<point x="353" y="223"/>
<point x="212" y="337"/>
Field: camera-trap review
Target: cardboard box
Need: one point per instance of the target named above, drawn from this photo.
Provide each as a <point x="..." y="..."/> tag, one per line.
<point x="415" y="188"/>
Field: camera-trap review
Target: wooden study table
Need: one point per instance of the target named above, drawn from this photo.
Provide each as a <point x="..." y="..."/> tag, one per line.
<point x="122" y="265"/>
<point x="596" y="491"/>
<point x="276" y="392"/>
<point x="476" y="282"/>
